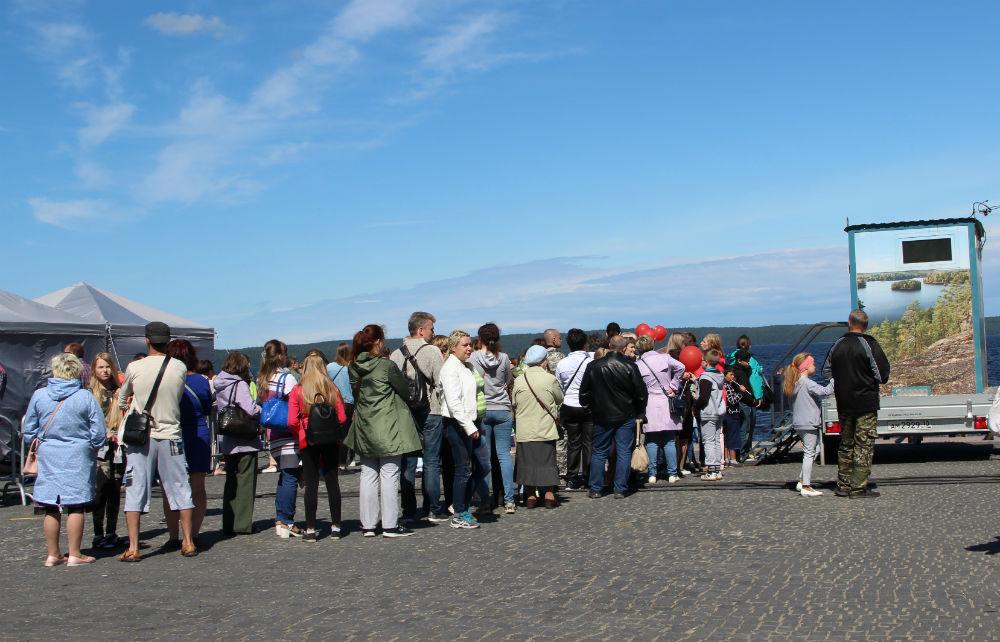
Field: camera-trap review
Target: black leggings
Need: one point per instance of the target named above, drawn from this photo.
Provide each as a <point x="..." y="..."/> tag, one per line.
<point x="312" y="458"/>
<point x="107" y="499"/>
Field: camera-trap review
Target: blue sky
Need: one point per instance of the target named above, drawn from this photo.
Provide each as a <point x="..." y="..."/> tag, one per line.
<point x="298" y="169"/>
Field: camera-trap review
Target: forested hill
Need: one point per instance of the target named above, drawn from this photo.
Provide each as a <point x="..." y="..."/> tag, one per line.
<point x="516" y="344"/>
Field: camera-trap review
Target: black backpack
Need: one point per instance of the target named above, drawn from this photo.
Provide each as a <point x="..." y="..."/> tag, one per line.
<point x="324" y="427"/>
<point x="419" y="402"/>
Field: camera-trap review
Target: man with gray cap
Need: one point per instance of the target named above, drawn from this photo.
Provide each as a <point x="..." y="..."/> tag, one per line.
<point x="160" y="379"/>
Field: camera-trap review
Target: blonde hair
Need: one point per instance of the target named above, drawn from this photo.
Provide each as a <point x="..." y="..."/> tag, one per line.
<point x="113" y="415"/>
<point x="713" y="341"/>
<point x="601" y="352"/>
<point x="675" y="343"/>
<point x="66" y="365"/>
<point x="644" y="344"/>
<point x="315" y="381"/>
<point x="455" y="337"/>
<point x="793" y="374"/>
<point x="440" y="342"/>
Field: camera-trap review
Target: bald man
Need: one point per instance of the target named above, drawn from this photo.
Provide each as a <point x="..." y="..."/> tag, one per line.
<point x="553" y="341"/>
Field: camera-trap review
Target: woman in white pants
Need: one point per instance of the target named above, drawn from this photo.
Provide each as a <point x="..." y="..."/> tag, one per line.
<point x="382" y="431"/>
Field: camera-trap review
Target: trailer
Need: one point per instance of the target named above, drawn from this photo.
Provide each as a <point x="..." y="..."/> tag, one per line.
<point x="921" y="284"/>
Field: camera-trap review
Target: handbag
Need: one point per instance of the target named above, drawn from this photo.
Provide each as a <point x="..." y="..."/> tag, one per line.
<point x="236" y="422"/>
<point x="640" y="458"/>
<point x="274" y="412"/>
<point x="676" y="402"/>
<point x="138" y="425"/>
<point x="30" y="466"/>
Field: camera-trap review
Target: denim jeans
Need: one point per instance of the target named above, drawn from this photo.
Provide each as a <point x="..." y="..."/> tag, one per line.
<point x="284" y="496"/>
<point x="662" y="441"/>
<point x="623" y="435"/>
<point x="746" y="431"/>
<point x="498" y="426"/>
<point x="472" y="465"/>
<point x="430" y="439"/>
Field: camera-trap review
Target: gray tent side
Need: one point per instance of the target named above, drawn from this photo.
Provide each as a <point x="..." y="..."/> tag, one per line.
<point x="26" y="348"/>
<point x="129" y="340"/>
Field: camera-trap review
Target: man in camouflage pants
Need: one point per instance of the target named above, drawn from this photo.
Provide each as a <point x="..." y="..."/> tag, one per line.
<point x="857" y="365"/>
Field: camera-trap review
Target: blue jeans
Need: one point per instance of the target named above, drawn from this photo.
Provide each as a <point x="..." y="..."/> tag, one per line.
<point x="284" y="496"/>
<point x="472" y="465"/>
<point x="665" y="441"/>
<point x="430" y="438"/>
<point x="498" y="426"/>
<point x="624" y="437"/>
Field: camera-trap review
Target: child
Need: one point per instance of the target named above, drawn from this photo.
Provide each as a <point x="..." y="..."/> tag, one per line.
<point x="805" y="413"/>
<point x="736" y="394"/>
<point x="711" y="408"/>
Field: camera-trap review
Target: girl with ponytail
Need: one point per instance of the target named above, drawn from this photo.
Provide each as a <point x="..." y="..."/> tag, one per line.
<point x="805" y="413"/>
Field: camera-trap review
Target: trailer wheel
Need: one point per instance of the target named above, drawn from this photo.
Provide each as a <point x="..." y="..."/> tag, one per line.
<point x="830" y="445"/>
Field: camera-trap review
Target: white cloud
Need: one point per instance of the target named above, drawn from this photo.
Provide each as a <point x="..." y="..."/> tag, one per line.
<point x="65" y="213"/>
<point x="102" y="122"/>
<point x="456" y="47"/>
<point x="92" y="175"/>
<point x="179" y="24"/>
<point x="362" y="19"/>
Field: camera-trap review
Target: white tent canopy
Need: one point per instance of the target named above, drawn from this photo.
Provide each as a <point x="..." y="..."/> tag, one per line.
<point x="125" y="319"/>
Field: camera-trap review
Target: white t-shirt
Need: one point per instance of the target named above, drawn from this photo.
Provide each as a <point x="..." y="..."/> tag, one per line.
<point x="139" y="378"/>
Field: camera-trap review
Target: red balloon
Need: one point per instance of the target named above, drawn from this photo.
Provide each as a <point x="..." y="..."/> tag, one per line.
<point x="691" y="358"/>
<point x="659" y="333"/>
<point x="642" y="328"/>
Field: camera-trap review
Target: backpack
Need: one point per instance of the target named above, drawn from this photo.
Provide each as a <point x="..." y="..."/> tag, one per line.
<point x="716" y="406"/>
<point x="418" y="401"/>
<point x="324" y="428"/>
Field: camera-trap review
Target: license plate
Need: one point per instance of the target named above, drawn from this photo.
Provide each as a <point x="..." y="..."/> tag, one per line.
<point x="908" y="426"/>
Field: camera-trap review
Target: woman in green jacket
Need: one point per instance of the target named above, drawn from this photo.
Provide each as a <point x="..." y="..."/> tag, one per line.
<point x="382" y="431"/>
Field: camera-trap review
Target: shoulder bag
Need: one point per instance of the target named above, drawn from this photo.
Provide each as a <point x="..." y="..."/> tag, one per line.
<point x="559" y="428"/>
<point x="139" y="424"/>
<point x="677" y="404"/>
<point x="274" y="411"/>
<point x="30" y="466"/>
<point x="418" y="401"/>
<point x="236" y="422"/>
<point x="640" y="458"/>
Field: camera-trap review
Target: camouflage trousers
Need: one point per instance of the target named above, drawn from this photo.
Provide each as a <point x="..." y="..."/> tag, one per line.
<point x="854" y="457"/>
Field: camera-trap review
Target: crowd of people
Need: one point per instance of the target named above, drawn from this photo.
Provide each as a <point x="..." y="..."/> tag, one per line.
<point x="455" y="405"/>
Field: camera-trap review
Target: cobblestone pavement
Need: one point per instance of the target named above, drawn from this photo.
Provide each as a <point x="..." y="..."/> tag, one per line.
<point x="741" y="559"/>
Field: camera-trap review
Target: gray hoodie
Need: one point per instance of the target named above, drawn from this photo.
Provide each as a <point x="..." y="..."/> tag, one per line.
<point x="495" y="371"/>
<point x="805" y="410"/>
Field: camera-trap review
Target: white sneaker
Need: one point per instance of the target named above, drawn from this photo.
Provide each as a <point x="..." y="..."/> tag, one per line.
<point x="710" y="476"/>
<point x="652" y="479"/>
<point x="798" y="485"/>
<point x="685" y="472"/>
<point x="673" y="479"/>
<point x="808" y="491"/>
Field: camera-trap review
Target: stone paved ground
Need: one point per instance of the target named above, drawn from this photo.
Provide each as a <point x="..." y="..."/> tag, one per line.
<point x="742" y="559"/>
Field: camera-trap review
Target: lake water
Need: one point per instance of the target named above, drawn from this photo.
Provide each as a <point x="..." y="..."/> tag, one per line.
<point x="882" y="302"/>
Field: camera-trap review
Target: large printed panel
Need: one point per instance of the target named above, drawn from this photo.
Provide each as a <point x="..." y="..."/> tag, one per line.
<point x="916" y="286"/>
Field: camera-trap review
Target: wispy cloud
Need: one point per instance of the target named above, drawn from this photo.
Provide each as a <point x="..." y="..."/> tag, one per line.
<point x="751" y="289"/>
<point x="363" y="19"/>
<point x="92" y="175"/>
<point x="460" y="46"/>
<point x="67" y="213"/>
<point x="181" y="24"/>
<point x="101" y="122"/>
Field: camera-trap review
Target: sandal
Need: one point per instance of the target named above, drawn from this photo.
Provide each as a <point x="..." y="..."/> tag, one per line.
<point x="80" y="561"/>
<point x="55" y="561"/>
<point x="189" y="551"/>
<point x="129" y="556"/>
